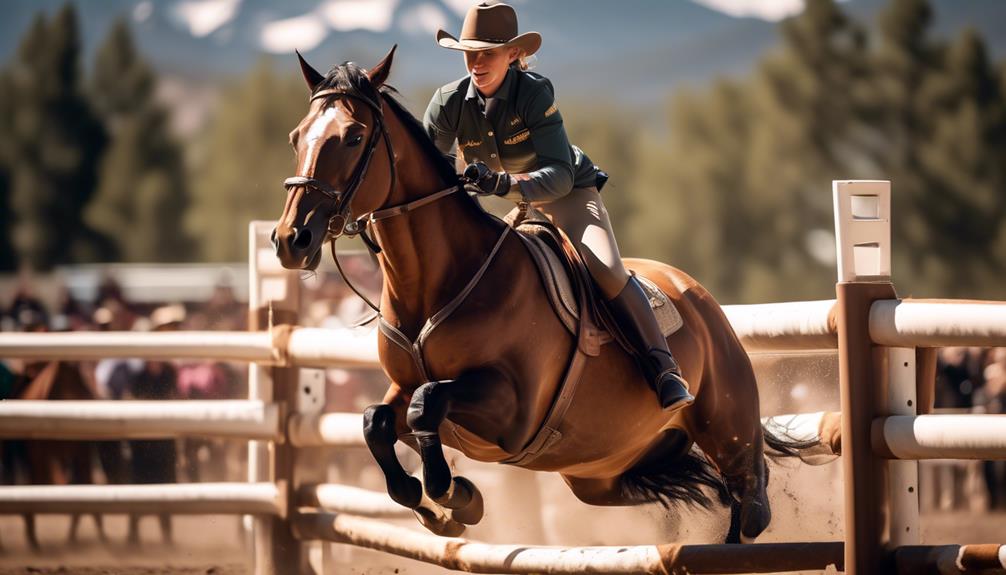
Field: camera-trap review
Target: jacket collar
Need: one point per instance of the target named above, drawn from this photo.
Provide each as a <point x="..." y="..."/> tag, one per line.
<point x="503" y="93"/>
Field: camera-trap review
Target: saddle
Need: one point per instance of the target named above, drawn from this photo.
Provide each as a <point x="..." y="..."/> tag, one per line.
<point x="571" y="291"/>
<point x="580" y="307"/>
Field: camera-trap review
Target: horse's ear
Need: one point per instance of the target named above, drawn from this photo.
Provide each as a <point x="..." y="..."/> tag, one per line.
<point x="379" y="73"/>
<point x="311" y="76"/>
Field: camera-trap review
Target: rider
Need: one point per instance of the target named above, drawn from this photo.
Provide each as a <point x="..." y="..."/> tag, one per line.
<point x="507" y="126"/>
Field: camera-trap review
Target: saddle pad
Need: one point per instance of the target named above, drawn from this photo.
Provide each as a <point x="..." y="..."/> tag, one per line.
<point x="560" y="290"/>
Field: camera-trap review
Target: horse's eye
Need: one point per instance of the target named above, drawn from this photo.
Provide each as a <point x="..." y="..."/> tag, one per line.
<point x="354" y="141"/>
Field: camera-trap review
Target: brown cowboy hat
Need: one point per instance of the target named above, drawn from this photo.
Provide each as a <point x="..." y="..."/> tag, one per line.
<point x="490" y="25"/>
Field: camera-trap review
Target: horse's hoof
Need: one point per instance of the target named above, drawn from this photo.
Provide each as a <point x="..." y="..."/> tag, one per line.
<point x="755" y="517"/>
<point x="472" y="511"/>
<point x="438" y="523"/>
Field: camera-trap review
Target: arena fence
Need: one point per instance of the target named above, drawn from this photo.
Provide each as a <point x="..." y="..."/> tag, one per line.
<point x="887" y="363"/>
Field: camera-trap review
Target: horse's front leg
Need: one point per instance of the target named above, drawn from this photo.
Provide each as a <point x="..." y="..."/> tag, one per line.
<point x="430" y="405"/>
<point x="382" y="424"/>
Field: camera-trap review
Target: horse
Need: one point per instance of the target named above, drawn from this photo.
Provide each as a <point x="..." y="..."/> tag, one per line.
<point x="58" y="462"/>
<point x="474" y="352"/>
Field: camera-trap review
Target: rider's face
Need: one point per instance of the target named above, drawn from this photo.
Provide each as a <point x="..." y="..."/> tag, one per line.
<point x="488" y="68"/>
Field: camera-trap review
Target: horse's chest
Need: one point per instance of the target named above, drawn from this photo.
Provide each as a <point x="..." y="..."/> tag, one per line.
<point x="444" y="352"/>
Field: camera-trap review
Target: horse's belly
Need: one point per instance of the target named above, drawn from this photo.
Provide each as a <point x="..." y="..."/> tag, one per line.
<point x="473" y="446"/>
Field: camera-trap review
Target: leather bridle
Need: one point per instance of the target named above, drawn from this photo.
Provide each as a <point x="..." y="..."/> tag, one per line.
<point x="337" y="222"/>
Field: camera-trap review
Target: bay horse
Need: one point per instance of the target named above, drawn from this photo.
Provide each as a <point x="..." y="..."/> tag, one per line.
<point x="58" y="462"/>
<point x="474" y="352"/>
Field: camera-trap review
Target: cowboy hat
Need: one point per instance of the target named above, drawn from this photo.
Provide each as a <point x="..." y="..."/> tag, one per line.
<point x="490" y="25"/>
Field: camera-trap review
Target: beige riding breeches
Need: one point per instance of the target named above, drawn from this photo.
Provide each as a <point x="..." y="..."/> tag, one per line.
<point x="582" y="215"/>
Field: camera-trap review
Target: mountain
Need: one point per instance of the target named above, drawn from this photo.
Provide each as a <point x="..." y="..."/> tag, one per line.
<point x="631" y="51"/>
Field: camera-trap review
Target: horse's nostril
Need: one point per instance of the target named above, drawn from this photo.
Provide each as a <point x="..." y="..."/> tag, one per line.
<point x="272" y="238"/>
<point x="302" y="238"/>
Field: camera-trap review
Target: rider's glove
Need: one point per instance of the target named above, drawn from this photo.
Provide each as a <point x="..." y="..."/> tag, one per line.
<point x="485" y="182"/>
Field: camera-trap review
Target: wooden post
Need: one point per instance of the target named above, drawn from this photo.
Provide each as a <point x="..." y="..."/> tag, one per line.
<point x="862" y="226"/>
<point x="273" y="299"/>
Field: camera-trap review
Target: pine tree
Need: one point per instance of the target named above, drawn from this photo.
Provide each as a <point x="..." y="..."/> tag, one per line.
<point x="247" y="158"/>
<point x="964" y="203"/>
<point x="806" y="101"/>
<point x="904" y="63"/>
<point x="143" y="167"/>
<point x="7" y="260"/>
<point x="706" y="215"/>
<point x="56" y="142"/>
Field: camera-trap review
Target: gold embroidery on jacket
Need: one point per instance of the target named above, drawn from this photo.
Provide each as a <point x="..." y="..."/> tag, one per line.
<point x="517" y="138"/>
<point x="469" y="144"/>
<point x="514" y="121"/>
<point x="552" y="109"/>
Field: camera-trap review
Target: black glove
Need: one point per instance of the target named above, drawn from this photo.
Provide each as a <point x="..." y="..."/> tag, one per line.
<point x="486" y="182"/>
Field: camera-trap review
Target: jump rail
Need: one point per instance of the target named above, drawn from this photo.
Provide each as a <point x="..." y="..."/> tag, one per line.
<point x="94" y="419"/>
<point x="475" y="557"/>
<point x="193" y="498"/>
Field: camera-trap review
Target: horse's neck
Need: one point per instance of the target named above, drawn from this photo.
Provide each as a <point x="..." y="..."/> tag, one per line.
<point x="429" y="255"/>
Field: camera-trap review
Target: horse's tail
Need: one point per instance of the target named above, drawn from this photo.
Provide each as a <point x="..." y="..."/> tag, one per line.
<point x="670" y="480"/>
<point x="801" y="436"/>
<point x="781" y="445"/>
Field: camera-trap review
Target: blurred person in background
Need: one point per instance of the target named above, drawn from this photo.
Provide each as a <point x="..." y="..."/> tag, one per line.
<point x="223" y="311"/>
<point x="113" y="377"/>
<point x="991" y="398"/>
<point x="958" y="375"/>
<point x="510" y="132"/>
<point x="155" y="461"/>
<point x="205" y="458"/>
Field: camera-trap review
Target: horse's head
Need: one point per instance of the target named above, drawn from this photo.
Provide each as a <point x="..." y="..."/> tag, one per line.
<point x="335" y="143"/>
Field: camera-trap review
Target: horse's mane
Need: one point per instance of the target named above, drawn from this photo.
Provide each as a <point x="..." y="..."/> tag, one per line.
<point x="349" y="77"/>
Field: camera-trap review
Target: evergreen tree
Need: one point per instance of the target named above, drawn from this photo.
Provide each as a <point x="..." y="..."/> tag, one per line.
<point x="247" y="158"/>
<point x="904" y="64"/>
<point x="7" y="260"/>
<point x="807" y="100"/>
<point x="143" y="166"/>
<point x="55" y="145"/>
<point x="706" y="218"/>
<point x="963" y="159"/>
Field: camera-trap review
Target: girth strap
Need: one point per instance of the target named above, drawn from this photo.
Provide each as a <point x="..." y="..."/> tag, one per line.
<point x="415" y="349"/>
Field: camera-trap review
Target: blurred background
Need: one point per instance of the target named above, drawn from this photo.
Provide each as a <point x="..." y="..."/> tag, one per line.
<point x="139" y="138"/>
<point x="139" y="131"/>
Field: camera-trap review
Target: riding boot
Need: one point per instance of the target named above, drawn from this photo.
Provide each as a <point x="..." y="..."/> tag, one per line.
<point x="631" y="308"/>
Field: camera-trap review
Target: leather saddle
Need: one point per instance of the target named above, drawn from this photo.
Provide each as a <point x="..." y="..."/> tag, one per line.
<point x="571" y="291"/>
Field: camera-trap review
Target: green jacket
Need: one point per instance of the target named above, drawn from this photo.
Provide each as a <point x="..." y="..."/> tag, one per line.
<point x="519" y="131"/>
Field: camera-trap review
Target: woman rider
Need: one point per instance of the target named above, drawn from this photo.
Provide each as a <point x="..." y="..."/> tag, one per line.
<point x="507" y="127"/>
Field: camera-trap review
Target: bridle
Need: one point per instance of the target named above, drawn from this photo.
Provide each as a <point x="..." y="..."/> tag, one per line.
<point x="339" y="222"/>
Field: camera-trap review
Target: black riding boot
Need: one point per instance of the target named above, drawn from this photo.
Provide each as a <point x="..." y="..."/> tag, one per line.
<point x="632" y="310"/>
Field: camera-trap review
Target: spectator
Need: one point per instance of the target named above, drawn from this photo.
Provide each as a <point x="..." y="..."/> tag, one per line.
<point x="155" y="461"/>
<point x="991" y="398"/>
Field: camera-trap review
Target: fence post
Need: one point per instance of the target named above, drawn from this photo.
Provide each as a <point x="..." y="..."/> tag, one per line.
<point x="862" y="230"/>
<point x="273" y="299"/>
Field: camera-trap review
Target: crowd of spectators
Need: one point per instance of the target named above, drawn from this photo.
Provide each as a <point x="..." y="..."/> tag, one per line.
<point x="326" y="302"/>
<point x="970" y="380"/>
